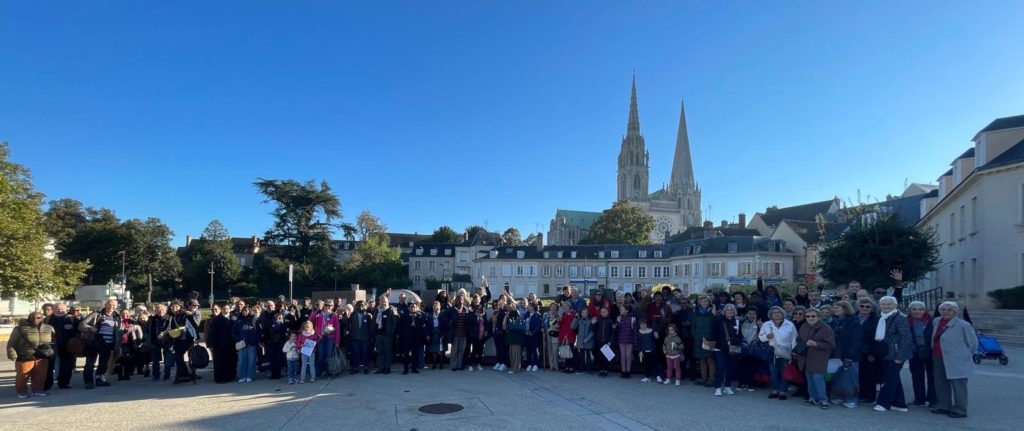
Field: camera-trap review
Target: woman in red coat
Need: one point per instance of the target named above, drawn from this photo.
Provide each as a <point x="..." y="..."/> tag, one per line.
<point x="567" y="335"/>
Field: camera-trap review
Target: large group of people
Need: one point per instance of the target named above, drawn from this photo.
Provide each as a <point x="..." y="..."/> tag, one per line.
<point x="847" y="348"/>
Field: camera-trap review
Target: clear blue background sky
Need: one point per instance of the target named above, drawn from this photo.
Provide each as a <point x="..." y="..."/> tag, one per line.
<point x="460" y="113"/>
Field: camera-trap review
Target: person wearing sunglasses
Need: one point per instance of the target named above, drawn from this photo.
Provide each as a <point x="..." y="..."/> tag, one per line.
<point x="818" y="340"/>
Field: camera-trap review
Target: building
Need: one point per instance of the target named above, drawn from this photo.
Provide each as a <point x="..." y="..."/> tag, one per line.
<point x="449" y="263"/>
<point x="978" y="215"/>
<point x="692" y="265"/>
<point x="675" y="207"/>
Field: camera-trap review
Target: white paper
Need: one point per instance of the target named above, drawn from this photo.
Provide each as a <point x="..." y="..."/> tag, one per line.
<point x="607" y="351"/>
<point x="307" y="347"/>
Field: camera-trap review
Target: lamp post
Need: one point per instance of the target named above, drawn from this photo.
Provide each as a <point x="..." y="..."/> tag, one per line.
<point x="211" y="284"/>
<point x="124" y="277"/>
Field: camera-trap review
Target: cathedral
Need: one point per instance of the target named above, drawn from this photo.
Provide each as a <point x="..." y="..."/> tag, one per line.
<point x="675" y="207"/>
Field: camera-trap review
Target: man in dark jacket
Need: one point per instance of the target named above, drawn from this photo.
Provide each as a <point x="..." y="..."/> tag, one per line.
<point x="360" y="329"/>
<point x="102" y="329"/>
<point x="385" y="324"/>
<point x="412" y="327"/>
<point x="66" y="327"/>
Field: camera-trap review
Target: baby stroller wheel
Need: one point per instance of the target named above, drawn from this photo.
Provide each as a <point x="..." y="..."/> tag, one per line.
<point x="1003" y="360"/>
<point x="977" y="359"/>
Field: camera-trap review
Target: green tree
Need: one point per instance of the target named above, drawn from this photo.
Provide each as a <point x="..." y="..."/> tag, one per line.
<point x="215" y="231"/>
<point x="623" y="223"/>
<point x="512" y="237"/>
<point x="86" y="235"/>
<point x="446" y="235"/>
<point x="368" y="225"/>
<point x="532" y="238"/>
<point x="206" y="252"/>
<point x="868" y="251"/>
<point x="149" y="255"/>
<point x="24" y="267"/>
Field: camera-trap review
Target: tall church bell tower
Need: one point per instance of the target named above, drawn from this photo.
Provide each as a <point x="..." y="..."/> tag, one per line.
<point x="634" y="170"/>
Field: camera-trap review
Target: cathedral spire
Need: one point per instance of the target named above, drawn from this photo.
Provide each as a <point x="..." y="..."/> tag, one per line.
<point x="633" y="127"/>
<point x="682" y="166"/>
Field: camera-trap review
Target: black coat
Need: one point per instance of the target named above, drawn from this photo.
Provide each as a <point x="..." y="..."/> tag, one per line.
<point x="220" y="334"/>
<point x="412" y="327"/>
<point x="724" y="330"/>
<point x="473" y="328"/>
<point x="850" y="338"/>
<point x="604" y="333"/>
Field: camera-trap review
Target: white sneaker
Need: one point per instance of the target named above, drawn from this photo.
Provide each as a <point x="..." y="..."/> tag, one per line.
<point x="850" y="405"/>
<point x="677" y="382"/>
<point x="879" y="408"/>
<point x="469" y="368"/>
<point x="668" y="382"/>
<point x="241" y="380"/>
<point x="728" y="391"/>
<point x="645" y="380"/>
<point x="250" y="380"/>
<point x="659" y="379"/>
<point x="900" y="409"/>
<point x="497" y="366"/>
<point x="718" y="392"/>
<point x="511" y="372"/>
<point x="479" y="368"/>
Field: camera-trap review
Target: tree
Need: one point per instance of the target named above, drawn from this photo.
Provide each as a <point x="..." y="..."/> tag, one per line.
<point x="623" y="223"/>
<point x="215" y="231"/>
<point x="86" y="235"/>
<point x="868" y="251"/>
<point x="446" y="235"/>
<point x="368" y="225"/>
<point x="149" y="254"/>
<point x="474" y="230"/>
<point x="532" y="238"/>
<point x="512" y="237"/>
<point x="25" y="269"/>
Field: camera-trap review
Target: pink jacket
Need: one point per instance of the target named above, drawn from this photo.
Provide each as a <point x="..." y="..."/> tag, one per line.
<point x="321" y="321"/>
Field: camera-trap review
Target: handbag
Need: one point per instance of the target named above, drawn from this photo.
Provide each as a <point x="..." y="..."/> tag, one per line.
<point x="239" y="345"/>
<point x="707" y="344"/>
<point x="175" y="332"/>
<point x="793" y="375"/>
<point x="761" y="350"/>
<point x="199" y="357"/>
<point x="564" y="351"/>
<point x="44" y="351"/>
<point x="801" y="345"/>
<point x="733" y="350"/>
<point x="334" y="364"/>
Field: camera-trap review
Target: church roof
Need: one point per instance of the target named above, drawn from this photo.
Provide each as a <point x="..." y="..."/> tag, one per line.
<point x="583" y="219"/>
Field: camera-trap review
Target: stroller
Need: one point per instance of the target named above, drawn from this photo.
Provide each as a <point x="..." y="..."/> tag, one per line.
<point x="989" y="348"/>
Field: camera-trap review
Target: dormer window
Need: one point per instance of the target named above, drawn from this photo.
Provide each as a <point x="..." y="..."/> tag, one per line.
<point x="447" y="252"/>
<point x="520" y="254"/>
<point x="657" y="253"/>
<point x="547" y="254"/>
<point x="643" y="253"/>
<point x="419" y="252"/>
<point x="559" y="255"/>
<point x="572" y="254"/>
<point x="615" y="254"/>
<point x="433" y="252"/>
<point x="600" y="255"/>
<point x="687" y="250"/>
<point x="732" y="247"/>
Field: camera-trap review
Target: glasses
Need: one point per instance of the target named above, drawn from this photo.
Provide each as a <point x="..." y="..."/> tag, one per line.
<point x="811" y="316"/>
<point x="864" y="306"/>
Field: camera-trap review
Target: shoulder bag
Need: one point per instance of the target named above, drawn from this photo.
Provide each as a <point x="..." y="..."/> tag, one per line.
<point x="733" y="350"/>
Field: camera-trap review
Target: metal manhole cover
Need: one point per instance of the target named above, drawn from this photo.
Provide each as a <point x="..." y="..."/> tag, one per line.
<point x="441" y="408"/>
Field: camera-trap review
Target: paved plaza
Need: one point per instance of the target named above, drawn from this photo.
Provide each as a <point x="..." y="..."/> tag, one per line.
<point x="490" y="400"/>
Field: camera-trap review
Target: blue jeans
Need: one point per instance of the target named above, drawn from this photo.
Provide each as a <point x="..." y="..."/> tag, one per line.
<point x="324" y="350"/>
<point x="725" y="369"/>
<point x="360" y="354"/>
<point x="293" y="370"/>
<point x="777" y="366"/>
<point x="168" y="358"/>
<point x="816" y="387"/>
<point x="891" y="394"/>
<point x="247" y="362"/>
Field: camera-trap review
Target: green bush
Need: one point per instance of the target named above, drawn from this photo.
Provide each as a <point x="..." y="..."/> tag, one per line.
<point x="1011" y="298"/>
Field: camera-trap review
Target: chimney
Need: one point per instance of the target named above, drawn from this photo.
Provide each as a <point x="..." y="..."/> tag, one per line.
<point x="255" y="240"/>
<point x="708" y="224"/>
<point x="188" y="240"/>
<point x="743" y="220"/>
<point x="539" y="241"/>
<point x="465" y="236"/>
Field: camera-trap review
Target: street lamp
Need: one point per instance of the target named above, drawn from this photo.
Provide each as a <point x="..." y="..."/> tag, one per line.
<point x="211" y="284"/>
<point x="124" y="277"/>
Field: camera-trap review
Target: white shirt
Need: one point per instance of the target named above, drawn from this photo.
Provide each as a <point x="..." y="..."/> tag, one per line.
<point x="784" y="339"/>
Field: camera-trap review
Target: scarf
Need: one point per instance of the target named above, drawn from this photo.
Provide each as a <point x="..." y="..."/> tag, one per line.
<point x="380" y="315"/>
<point x="880" y="330"/>
<point x="703" y="310"/>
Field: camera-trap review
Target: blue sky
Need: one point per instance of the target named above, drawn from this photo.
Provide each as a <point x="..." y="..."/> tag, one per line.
<point x="460" y="113"/>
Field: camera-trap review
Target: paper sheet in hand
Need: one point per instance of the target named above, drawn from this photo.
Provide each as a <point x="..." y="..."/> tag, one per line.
<point x="307" y="347"/>
<point x="607" y="351"/>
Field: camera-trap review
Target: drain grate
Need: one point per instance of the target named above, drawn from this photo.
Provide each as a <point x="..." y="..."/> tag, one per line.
<point x="441" y="408"/>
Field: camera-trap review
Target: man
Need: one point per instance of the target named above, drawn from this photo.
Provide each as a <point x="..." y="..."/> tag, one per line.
<point x="456" y="323"/>
<point x="360" y="329"/>
<point x="65" y="327"/>
<point x="814" y="299"/>
<point x="102" y="330"/>
<point x="305" y="311"/>
<point x="386" y="323"/>
<point x="188" y="320"/>
<point x="402" y="306"/>
<point x="159" y="323"/>
<point x="29" y="347"/>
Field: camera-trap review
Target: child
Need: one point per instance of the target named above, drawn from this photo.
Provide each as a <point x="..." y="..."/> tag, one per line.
<point x="649" y="354"/>
<point x="291" y="353"/>
<point x="604" y="335"/>
<point x="584" y="342"/>
<point x="673" y="354"/>
<point x="307" y="334"/>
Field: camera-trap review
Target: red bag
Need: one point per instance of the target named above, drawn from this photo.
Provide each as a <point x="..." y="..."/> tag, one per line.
<point x="793" y="375"/>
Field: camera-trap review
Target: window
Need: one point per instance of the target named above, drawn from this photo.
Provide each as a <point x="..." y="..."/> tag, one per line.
<point x="615" y="254"/>
<point x="572" y="254"/>
<point x="546" y="270"/>
<point x="600" y="271"/>
<point x="627" y="271"/>
<point x="588" y="271"/>
<point x="573" y="271"/>
<point x="547" y="254"/>
<point x="419" y="252"/>
<point x="447" y="252"/>
<point x="696" y="270"/>
<point x="974" y="215"/>
<point x="492" y="271"/>
<point x="600" y="255"/>
<point x="778" y="269"/>
<point x="506" y="285"/>
<point x="962" y="218"/>
<point x="559" y="255"/>
<point x="664" y="272"/>
<point x="416" y="265"/>
<point x="643" y="253"/>
<point x="952" y="228"/>
<point x="613" y="271"/>
<point x="241" y="260"/>
<point x="416" y="279"/>
<point x="696" y="249"/>
<point x="547" y="289"/>
<point x="962" y="275"/>
<point x="764" y="268"/>
<point x="687" y="250"/>
<point x="506" y="270"/>
<point x="533" y="287"/>
<point x="520" y="289"/>
<point x="520" y="254"/>
<point x="657" y="272"/>
<point x="732" y="247"/>
<point x="657" y="254"/>
<point x="433" y="252"/>
<point x="430" y="265"/>
<point x="641" y="271"/>
<point x="952" y="273"/>
<point x="974" y="273"/>
<point x="613" y="286"/>
<point x="519" y="270"/>
<point x="747" y="268"/>
<point x="716" y="269"/>
<point x="531" y="270"/>
<point x="559" y="271"/>
<point x="686" y="270"/>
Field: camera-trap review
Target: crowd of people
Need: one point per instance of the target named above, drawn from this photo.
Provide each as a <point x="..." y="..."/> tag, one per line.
<point x="847" y="348"/>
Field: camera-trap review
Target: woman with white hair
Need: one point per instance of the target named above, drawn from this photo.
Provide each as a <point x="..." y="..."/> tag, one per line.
<point x="894" y="346"/>
<point x="921" y="360"/>
<point x="953" y="343"/>
<point x="781" y="335"/>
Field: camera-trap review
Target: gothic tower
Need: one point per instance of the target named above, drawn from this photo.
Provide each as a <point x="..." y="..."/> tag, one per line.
<point x="682" y="185"/>
<point x="633" y="158"/>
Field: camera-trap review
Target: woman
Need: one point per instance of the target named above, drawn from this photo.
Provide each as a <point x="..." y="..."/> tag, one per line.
<point x="870" y="367"/>
<point x="159" y="323"/>
<point x="702" y="321"/>
<point x="728" y="345"/>
<point x="516" y="328"/>
<point x="849" y="335"/>
<point x="953" y="343"/>
<point x="748" y="364"/>
<point x="247" y="336"/>
<point x="798" y="322"/>
<point x="567" y="335"/>
<point x="819" y="340"/>
<point x="781" y="335"/>
<point x="131" y="343"/>
<point x="604" y="335"/>
<point x="222" y="345"/>
<point x="180" y="318"/>
<point x="894" y="347"/>
<point x="921" y="370"/>
<point x="551" y="337"/>
<point x="478" y="329"/>
<point x="533" y="337"/>
<point x="801" y="297"/>
<point x="626" y="334"/>
<point x="435" y="336"/>
<point x="500" y="330"/>
<point x="326" y="325"/>
<point x="581" y="326"/>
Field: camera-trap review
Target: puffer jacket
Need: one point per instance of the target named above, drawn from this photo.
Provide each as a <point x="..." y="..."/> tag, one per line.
<point x="25" y="338"/>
